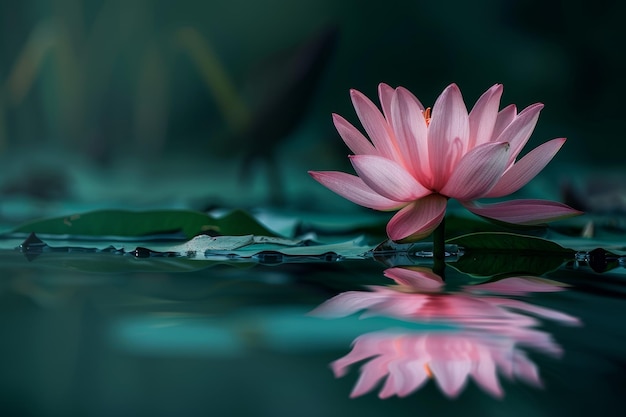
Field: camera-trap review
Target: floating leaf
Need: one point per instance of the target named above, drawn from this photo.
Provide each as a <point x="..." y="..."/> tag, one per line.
<point x="458" y="224"/>
<point x="126" y="223"/>
<point x="488" y="254"/>
<point x="502" y="241"/>
<point x="198" y="253"/>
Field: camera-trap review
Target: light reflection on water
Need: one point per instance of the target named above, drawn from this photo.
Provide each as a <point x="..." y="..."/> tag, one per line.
<point x="249" y="341"/>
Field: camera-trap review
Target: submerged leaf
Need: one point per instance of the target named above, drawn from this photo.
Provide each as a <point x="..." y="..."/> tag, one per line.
<point x="143" y="223"/>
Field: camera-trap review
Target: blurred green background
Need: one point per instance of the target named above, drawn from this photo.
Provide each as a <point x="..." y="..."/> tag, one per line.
<point x="204" y="103"/>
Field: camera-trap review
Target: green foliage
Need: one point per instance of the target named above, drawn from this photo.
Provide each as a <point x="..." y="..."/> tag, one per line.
<point x="136" y="224"/>
<point x="461" y="223"/>
<point x="498" y="253"/>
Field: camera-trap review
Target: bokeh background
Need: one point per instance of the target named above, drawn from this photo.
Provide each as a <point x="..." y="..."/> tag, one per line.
<point x="111" y="103"/>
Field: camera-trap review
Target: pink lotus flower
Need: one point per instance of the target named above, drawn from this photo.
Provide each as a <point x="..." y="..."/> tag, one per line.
<point x="416" y="161"/>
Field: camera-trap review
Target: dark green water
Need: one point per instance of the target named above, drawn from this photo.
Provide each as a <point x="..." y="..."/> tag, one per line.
<point x="241" y="340"/>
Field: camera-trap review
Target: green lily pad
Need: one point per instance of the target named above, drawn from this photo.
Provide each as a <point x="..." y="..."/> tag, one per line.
<point x="460" y="224"/>
<point x="144" y="223"/>
<point x="502" y="254"/>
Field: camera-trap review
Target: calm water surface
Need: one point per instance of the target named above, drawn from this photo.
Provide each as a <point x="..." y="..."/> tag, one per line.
<point x="301" y="339"/>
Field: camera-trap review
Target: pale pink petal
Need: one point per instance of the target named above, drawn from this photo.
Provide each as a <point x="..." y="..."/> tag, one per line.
<point x="348" y="303"/>
<point x="530" y="337"/>
<point x="341" y="366"/>
<point x="413" y="98"/>
<point x="416" y="377"/>
<point x="409" y="126"/>
<point x="524" y="170"/>
<point x="519" y="130"/>
<point x="418" y="219"/>
<point x="363" y="347"/>
<point x="519" y="286"/>
<point x="372" y="372"/>
<point x="448" y="134"/>
<point x="485" y="375"/>
<point x="451" y="374"/>
<point x="385" y="94"/>
<point x="374" y="124"/>
<point x="522" y="211"/>
<point x="405" y="376"/>
<point x="505" y="117"/>
<point x="502" y="357"/>
<point x="478" y="171"/>
<point x="353" y="138"/>
<point x="483" y="116"/>
<point x="417" y="278"/>
<point x="526" y="370"/>
<point x="398" y="304"/>
<point x="543" y="312"/>
<point x="354" y="189"/>
<point x="388" y="178"/>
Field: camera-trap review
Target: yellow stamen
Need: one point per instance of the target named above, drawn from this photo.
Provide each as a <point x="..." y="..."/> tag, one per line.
<point x="428" y="371"/>
<point x="427" y="116"/>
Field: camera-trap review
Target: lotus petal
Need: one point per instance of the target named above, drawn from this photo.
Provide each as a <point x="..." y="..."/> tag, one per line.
<point x="405" y="376"/>
<point x="409" y="126"/>
<point x="418" y="219"/>
<point x="375" y="125"/>
<point x="385" y="94"/>
<point x="448" y="134"/>
<point x="451" y="372"/>
<point x="354" y="139"/>
<point x="522" y="285"/>
<point x="354" y="189"/>
<point x="519" y="130"/>
<point x="505" y="117"/>
<point x="417" y="278"/>
<point x="388" y="178"/>
<point x="478" y="171"/>
<point x="524" y="170"/>
<point x="372" y="372"/>
<point x="484" y="373"/>
<point x="526" y="212"/>
<point x="482" y="118"/>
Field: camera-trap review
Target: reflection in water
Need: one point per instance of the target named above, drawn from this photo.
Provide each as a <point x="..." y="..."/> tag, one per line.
<point x="484" y="333"/>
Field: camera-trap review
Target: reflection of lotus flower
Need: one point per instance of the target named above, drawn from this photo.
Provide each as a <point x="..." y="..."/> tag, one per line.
<point x="489" y="336"/>
<point x="416" y="161"/>
<point x="465" y="309"/>
<point x="409" y="359"/>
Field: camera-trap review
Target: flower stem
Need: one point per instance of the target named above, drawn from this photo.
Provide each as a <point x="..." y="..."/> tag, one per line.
<point x="439" y="250"/>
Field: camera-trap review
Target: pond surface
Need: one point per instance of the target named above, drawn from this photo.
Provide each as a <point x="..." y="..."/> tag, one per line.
<point x="119" y="332"/>
<point x="302" y="338"/>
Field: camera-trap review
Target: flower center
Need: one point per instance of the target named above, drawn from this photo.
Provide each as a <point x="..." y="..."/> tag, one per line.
<point x="426" y="114"/>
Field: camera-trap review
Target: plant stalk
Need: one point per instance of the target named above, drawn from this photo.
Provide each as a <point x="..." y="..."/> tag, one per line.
<point x="439" y="250"/>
